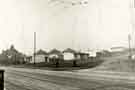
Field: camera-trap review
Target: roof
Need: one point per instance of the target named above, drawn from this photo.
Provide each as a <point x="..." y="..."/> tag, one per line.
<point x="55" y="51"/>
<point x="118" y="48"/>
<point x="69" y="50"/>
<point x="41" y="52"/>
<point x="82" y="53"/>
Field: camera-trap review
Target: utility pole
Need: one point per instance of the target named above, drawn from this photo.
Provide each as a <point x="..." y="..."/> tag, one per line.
<point x="34" y="47"/>
<point x="133" y="3"/>
<point x="132" y="7"/>
<point x="130" y="52"/>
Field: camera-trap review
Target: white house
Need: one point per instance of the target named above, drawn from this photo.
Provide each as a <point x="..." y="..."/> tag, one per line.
<point x="41" y="56"/>
<point x="92" y="53"/>
<point x="69" y="54"/>
<point x="117" y="49"/>
<point x="38" y="59"/>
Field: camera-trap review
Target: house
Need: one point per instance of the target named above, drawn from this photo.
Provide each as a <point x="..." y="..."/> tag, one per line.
<point x="69" y="54"/>
<point x="55" y="54"/>
<point x="92" y="53"/>
<point x="104" y="53"/>
<point x="82" y="56"/>
<point x="40" y="56"/>
<point x="117" y="49"/>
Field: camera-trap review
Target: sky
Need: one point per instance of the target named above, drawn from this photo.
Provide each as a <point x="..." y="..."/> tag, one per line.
<point x="100" y="24"/>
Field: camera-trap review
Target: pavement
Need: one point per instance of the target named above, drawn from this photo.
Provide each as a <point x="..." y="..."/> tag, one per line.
<point x="87" y="79"/>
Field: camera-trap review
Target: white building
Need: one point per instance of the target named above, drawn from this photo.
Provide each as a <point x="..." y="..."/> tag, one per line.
<point x="41" y="56"/>
<point x="69" y="54"/>
<point x="117" y="49"/>
<point x="38" y="59"/>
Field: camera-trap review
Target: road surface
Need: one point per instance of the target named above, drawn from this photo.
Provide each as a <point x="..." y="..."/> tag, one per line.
<point x="34" y="79"/>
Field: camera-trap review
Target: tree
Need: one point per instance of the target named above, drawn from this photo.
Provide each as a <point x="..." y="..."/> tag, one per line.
<point x="13" y="55"/>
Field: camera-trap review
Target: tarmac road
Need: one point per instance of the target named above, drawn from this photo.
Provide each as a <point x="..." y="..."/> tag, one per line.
<point x="30" y="79"/>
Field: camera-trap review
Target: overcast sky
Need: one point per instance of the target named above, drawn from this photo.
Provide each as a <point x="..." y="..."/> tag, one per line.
<point x="99" y="24"/>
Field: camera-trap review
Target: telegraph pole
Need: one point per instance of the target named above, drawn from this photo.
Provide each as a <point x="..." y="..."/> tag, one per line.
<point x="129" y="43"/>
<point x="34" y="47"/>
<point x="132" y="7"/>
<point x="133" y="3"/>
